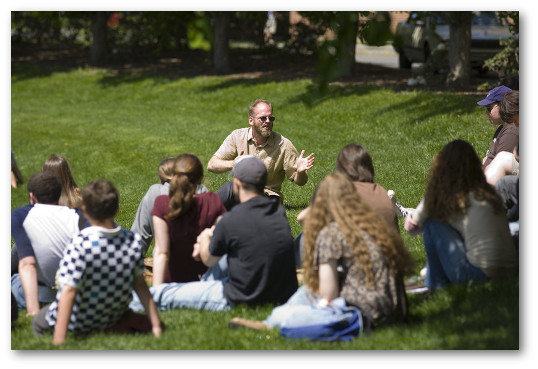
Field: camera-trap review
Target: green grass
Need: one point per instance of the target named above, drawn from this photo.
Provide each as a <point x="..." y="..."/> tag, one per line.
<point x="120" y="126"/>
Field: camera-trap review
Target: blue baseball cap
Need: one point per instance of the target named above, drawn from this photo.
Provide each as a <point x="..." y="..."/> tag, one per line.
<point x="495" y="95"/>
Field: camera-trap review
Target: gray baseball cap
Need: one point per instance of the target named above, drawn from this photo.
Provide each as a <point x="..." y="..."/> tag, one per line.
<point x="250" y="169"/>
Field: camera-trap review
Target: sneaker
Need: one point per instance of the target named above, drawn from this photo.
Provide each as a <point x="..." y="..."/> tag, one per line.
<point x="251" y="324"/>
<point x="419" y="291"/>
<point x="398" y="208"/>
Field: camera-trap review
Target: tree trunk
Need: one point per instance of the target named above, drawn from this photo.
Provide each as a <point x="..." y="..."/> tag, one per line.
<point x="98" y="49"/>
<point x="348" y="32"/>
<point x="221" y="49"/>
<point x="459" y="48"/>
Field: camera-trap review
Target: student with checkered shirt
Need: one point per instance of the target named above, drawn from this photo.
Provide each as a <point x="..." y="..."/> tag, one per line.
<point x="100" y="268"/>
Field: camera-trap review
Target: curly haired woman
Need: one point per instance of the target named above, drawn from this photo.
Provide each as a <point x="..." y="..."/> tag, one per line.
<point x="349" y="252"/>
<point x="465" y="229"/>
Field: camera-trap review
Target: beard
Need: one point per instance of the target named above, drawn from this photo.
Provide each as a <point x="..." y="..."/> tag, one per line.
<point x="263" y="132"/>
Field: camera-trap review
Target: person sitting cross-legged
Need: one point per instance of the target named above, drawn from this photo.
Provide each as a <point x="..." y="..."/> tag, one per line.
<point x="249" y="252"/>
<point x="463" y="222"/>
<point x="352" y="257"/>
<point x="41" y="231"/>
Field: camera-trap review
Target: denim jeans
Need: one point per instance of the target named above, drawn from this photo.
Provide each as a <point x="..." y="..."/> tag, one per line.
<point x="206" y="294"/>
<point x="302" y="310"/>
<point x="446" y="258"/>
<point x="45" y="294"/>
<point x="300" y="302"/>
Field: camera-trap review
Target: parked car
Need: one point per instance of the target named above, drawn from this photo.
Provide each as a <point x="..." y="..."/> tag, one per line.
<point x="417" y="38"/>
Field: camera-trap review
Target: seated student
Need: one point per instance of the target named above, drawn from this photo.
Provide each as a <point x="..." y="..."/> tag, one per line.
<point x="41" y="232"/>
<point x="98" y="272"/>
<point x="506" y="163"/>
<point x="256" y="239"/>
<point x="178" y="219"/>
<point x="461" y="217"/>
<point x="506" y="136"/>
<point x="350" y="252"/>
<point x="143" y="223"/>
<point x="355" y="162"/>
<point x="70" y="191"/>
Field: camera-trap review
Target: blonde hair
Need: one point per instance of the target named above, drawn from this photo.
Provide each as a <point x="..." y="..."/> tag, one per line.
<point x="336" y="200"/>
<point x="187" y="174"/>
<point x="59" y="165"/>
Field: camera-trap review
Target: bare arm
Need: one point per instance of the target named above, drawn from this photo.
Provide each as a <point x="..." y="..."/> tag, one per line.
<point x="28" y="275"/>
<point x="217" y="165"/>
<point x="411" y="226"/>
<point x="144" y="295"/>
<point x="328" y="280"/>
<point x="65" y="308"/>
<point x="162" y="250"/>
<point x="201" y="248"/>
<point x="302" y="215"/>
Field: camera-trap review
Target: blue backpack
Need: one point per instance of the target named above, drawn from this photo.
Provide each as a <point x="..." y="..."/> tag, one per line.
<point x="336" y="322"/>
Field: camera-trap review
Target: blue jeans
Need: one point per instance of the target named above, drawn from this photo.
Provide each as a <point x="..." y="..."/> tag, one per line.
<point x="302" y="310"/>
<point x="206" y="294"/>
<point x="45" y="294"/>
<point x="300" y="302"/>
<point x="446" y="258"/>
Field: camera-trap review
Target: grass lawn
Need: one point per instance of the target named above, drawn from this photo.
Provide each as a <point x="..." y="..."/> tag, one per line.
<point x="119" y="126"/>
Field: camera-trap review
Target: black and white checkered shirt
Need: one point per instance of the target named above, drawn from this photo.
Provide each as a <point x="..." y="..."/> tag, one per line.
<point x="101" y="264"/>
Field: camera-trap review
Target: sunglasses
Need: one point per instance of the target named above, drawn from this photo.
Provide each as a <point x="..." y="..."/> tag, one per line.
<point x="263" y="119"/>
<point x="489" y="108"/>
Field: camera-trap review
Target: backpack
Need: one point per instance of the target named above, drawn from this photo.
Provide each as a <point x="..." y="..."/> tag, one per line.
<point x="335" y="322"/>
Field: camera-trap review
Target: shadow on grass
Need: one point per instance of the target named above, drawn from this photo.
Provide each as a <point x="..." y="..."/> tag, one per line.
<point x="474" y="317"/>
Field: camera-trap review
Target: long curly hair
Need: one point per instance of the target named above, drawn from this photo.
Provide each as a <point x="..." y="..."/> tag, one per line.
<point x="456" y="172"/>
<point x="336" y="200"/>
<point x="71" y="194"/>
<point x="187" y="174"/>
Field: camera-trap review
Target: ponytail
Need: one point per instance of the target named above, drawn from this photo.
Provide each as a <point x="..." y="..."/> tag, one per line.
<point x="187" y="173"/>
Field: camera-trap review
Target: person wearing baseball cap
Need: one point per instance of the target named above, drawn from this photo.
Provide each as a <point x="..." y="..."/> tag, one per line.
<point x="249" y="253"/>
<point x="506" y="136"/>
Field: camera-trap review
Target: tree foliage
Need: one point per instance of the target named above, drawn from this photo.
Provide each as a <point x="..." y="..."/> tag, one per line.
<point x="506" y="63"/>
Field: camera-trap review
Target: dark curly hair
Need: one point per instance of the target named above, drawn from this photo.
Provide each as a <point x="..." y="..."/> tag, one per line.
<point x="456" y="172"/>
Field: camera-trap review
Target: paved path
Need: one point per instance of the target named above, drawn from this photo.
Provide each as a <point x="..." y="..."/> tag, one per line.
<point x="379" y="55"/>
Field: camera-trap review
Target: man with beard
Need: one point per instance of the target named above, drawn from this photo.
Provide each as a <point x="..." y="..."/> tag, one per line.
<point x="278" y="154"/>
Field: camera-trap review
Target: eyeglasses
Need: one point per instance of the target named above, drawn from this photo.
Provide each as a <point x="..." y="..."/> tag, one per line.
<point x="263" y="119"/>
<point x="489" y="108"/>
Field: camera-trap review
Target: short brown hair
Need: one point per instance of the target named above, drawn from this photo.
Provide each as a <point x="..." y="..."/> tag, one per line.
<point x="509" y="106"/>
<point x="45" y="186"/>
<point x="256" y="103"/>
<point x="101" y="200"/>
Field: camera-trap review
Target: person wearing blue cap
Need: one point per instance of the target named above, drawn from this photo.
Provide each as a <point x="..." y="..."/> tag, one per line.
<point x="506" y="136"/>
<point x="249" y="253"/>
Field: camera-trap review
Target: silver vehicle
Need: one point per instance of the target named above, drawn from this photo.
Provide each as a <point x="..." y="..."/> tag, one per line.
<point x="417" y="38"/>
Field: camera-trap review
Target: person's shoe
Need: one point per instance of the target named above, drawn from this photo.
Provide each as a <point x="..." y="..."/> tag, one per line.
<point x="419" y="291"/>
<point x="398" y="208"/>
<point x="251" y="324"/>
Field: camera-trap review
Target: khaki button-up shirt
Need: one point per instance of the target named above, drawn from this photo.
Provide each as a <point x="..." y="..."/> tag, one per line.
<point x="278" y="154"/>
